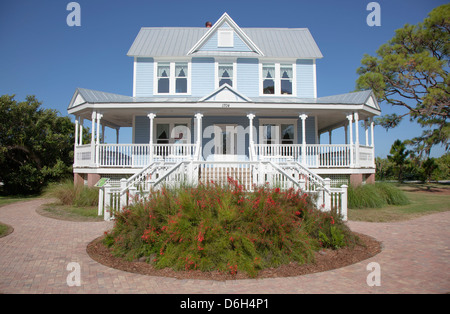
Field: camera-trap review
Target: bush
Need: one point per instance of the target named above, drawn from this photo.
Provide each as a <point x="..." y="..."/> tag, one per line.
<point x="224" y="228"/>
<point x="375" y="195"/>
<point x="70" y="194"/>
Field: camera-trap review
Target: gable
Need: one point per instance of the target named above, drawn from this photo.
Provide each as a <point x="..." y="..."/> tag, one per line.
<point x="225" y="94"/>
<point x="225" y="39"/>
<point x="225" y="36"/>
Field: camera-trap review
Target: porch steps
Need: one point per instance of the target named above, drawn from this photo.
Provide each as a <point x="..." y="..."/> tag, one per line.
<point x="220" y="175"/>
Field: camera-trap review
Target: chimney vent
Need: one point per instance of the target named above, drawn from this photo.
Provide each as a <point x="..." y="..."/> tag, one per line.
<point x="208" y="24"/>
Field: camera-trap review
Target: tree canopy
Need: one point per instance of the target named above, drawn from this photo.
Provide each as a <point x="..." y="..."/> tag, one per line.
<point x="411" y="71"/>
<point x="36" y="145"/>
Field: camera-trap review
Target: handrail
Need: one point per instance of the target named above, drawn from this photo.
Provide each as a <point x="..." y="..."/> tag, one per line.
<point x="132" y="179"/>
<point x="168" y="172"/>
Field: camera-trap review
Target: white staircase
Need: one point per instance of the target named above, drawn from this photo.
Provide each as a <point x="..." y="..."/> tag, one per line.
<point x="250" y="174"/>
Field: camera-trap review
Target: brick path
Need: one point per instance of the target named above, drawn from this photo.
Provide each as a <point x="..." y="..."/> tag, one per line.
<point x="33" y="259"/>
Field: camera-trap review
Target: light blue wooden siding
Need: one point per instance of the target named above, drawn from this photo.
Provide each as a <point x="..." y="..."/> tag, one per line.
<point x="213" y="43"/>
<point x="247" y="71"/>
<point x="305" y="78"/>
<point x="141" y="130"/>
<point x="144" y="77"/>
<point x="202" y="76"/>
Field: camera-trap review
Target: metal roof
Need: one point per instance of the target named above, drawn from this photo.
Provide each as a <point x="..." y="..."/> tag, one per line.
<point x="93" y="96"/>
<point x="177" y="41"/>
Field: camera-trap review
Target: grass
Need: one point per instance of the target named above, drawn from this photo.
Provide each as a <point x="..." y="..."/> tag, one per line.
<point x="423" y="199"/>
<point x="5" y="200"/>
<point x="70" y="212"/>
<point x="376" y="195"/>
<point x="74" y="202"/>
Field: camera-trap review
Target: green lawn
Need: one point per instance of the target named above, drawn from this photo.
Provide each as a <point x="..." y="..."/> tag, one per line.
<point x="5" y="200"/>
<point x="424" y="199"/>
<point x="70" y="212"/>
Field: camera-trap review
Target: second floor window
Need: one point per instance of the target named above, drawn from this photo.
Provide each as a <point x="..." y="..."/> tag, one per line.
<point x="277" y="79"/>
<point x="172" y="78"/>
<point x="225" y="74"/>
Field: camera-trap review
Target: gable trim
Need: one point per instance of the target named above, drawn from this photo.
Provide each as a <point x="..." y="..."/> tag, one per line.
<point x="225" y="18"/>
<point x="221" y="89"/>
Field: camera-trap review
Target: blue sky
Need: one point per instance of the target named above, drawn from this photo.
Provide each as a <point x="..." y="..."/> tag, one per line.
<point x="41" y="55"/>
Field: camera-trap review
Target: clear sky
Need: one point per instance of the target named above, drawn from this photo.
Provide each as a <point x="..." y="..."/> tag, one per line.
<point x="41" y="55"/>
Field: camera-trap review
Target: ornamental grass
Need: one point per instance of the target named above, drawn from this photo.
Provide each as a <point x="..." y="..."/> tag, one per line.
<point x="225" y="228"/>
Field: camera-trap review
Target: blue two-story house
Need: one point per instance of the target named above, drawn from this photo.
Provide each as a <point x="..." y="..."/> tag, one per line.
<point x="225" y="95"/>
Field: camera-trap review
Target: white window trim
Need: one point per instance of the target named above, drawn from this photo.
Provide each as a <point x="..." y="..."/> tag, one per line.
<point x="172" y="78"/>
<point x="277" y="79"/>
<point x="216" y="71"/>
<point x="171" y="122"/>
<point x="277" y="123"/>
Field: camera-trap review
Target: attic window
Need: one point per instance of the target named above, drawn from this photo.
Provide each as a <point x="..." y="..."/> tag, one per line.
<point x="225" y="38"/>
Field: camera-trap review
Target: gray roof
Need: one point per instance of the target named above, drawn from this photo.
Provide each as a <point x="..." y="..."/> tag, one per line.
<point x="93" y="96"/>
<point x="177" y="41"/>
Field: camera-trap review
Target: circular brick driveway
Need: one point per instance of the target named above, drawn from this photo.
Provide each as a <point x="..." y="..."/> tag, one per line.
<point x="34" y="259"/>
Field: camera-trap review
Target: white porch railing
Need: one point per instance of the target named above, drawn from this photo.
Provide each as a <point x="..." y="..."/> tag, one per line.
<point x="83" y="156"/>
<point x="316" y="155"/>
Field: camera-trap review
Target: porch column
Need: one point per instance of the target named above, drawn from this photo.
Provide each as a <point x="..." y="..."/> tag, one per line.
<point x="117" y="135"/>
<point x="303" y="117"/>
<point x="198" y="117"/>
<point x="350" y="119"/>
<point x="151" y="116"/>
<point x="250" y="117"/>
<point x="76" y="132"/>
<point x="97" y="149"/>
<point x="356" y="139"/>
<point x="372" y="143"/>
<point x="103" y="134"/>
<point x="366" y="130"/>
<point x="93" y="117"/>
<point x="80" y="137"/>
<point x="330" y="133"/>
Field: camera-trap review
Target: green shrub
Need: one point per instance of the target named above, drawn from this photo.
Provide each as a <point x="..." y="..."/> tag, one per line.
<point x="375" y="195"/>
<point x="224" y="228"/>
<point x="69" y="193"/>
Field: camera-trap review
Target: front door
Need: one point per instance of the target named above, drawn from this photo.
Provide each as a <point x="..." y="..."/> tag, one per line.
<point x="225" y="142"/>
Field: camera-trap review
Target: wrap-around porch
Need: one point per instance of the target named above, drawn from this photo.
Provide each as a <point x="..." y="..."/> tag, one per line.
<point x="218" y="138"/>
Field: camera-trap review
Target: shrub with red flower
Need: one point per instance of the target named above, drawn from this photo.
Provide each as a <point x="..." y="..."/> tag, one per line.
<point x="225" y="228"/>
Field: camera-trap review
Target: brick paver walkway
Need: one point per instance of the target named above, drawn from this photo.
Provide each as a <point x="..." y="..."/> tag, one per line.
<point x="34" y="259"/>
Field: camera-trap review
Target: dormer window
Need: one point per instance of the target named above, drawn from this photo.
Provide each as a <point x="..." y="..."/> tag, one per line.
<point x="172" y="78"/>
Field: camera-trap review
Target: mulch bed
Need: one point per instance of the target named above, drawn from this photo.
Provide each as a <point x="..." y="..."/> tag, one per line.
<point x="324" y="260"/>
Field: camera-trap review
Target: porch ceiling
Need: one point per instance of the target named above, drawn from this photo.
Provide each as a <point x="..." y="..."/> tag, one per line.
<point x="327" y="119"/>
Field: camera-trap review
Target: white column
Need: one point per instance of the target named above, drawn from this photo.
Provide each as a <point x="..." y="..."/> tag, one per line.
<point x="372" y="124"/>
<point x="250" y="117"/>
<point x="93" y="117"/>
<point x="303" y="117"/>
<point x="76" y="132"/>
<point x="199" y="116"/>
<point x="350" y="124"/>
<point x="366" y="129"/>
<point x="80" y="137"/>
<point x="356" y="138"/>
<point x="93" y="150"/>
<point x="97" y="148"/>
<point x="151" y="116"/>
